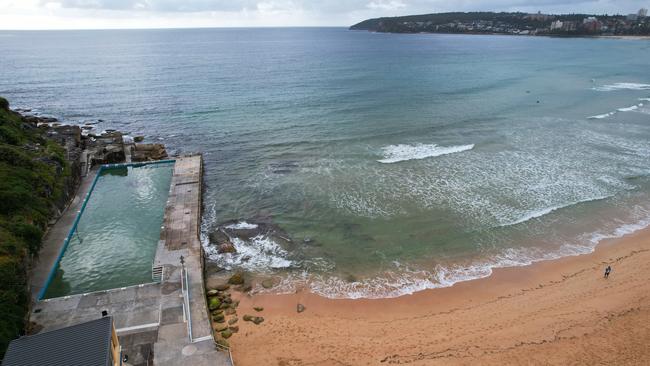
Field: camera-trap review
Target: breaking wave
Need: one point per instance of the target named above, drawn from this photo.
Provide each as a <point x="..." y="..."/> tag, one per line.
<point x="260" y="253"/>
<point x="626" y="109"/>
<point x="403" y="152"/>
<point x="629" y="109"/>
<point x="602" y="116"/>
<point x="545" y="211"/>
<point x="241" y="225"/>
<point x="623" y="86"/>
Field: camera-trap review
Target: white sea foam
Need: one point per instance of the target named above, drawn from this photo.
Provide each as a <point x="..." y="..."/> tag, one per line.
<point x="406" y="281"/>
<point x="630" y="109"/>
<point x="625" y="109"/>
<point x="623" y="86"/>
<point x="403" y="152"/>
<point x="602" y="116"/>
<point x="644" y="99"/>
<point x="260" y="254"/>
<point x="241" y="225"/>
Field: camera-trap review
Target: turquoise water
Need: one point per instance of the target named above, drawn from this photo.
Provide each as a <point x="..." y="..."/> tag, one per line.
<point x="116" y="238"/>
<point x="407" y="161"/>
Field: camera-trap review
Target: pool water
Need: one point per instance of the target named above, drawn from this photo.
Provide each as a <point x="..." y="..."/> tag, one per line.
<point x="116" y="237"/>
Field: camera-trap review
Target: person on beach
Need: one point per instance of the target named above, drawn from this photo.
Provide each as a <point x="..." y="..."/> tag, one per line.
<point x="608" y="270"/>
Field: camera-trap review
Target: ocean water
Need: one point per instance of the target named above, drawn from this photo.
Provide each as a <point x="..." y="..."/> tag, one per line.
<point x="395" y="163"/>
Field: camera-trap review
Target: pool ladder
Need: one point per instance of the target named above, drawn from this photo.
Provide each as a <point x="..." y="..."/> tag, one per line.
<point x="157" y="273"/>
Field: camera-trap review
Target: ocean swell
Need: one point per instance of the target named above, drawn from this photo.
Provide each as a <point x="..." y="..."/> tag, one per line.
<point x="404" y="152"/>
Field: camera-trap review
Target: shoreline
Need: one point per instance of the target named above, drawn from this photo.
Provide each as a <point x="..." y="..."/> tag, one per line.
<point x="509" y="316"/>
<point x="619" y="37"/>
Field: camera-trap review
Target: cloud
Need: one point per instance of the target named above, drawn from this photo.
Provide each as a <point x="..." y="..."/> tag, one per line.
<point x="386" y="5"/>
<point x="331" y="5"/>
<point x="45" y="14"/>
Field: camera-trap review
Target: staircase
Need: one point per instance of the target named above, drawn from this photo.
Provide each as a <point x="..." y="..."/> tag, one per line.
<point x="157" y="273"/>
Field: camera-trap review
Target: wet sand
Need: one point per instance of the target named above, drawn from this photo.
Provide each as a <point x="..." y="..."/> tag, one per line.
<point x="556" y="312"/>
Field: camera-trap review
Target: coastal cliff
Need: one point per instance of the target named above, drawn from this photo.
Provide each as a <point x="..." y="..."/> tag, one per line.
<point x="42" y="162"/>
<point x="38" y="175"/>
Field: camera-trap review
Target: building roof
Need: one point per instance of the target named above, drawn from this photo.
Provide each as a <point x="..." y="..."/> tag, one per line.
<point x="85" y="344"/>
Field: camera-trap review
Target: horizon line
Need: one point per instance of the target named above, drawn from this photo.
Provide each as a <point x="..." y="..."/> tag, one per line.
<point x="172" y="28"/>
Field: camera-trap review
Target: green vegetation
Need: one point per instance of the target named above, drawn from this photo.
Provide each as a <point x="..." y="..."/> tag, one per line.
<point x="32" y="171"/>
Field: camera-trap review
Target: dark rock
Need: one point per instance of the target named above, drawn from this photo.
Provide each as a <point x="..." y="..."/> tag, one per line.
<point x="226" y="248"/>
<point x="222" y="287"/>
<point x="220" y="327"/>
<point x="233" y="320"/>
<point x="258" y="308"/>
<point x="248" y="318"/>
<point x="230" y="311"/>
<point x="212" y="268"/>
<point x="223" y="343"/>
<point x="257" y="320"/>
<point x="149" y="152"/>
<point x="218" y="237"/>
<point x="300" y="308"/>
<point x="267" y="284"/>
<point x="138" y="138"/>
<point x="234" y="329"/>
<point x="236" y="279"/>
<point x="226" y="334"/>
<point x="212" y="293"/>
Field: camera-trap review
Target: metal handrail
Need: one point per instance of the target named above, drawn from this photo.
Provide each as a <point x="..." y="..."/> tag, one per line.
<point x="186" y="300"/>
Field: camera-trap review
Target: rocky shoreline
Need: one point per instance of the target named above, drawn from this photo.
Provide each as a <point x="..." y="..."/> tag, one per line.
<point x="86" y="147"/>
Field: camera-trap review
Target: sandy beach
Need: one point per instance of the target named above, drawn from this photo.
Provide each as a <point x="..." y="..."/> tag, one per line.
<point x="560" y="312"/>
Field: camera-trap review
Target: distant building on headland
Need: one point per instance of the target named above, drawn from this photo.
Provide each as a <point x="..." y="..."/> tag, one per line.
<point x="571" y="25"/>
<point x="556" y="25"/>
<point x="591" y="24"/>
<point x="539" y="17"/>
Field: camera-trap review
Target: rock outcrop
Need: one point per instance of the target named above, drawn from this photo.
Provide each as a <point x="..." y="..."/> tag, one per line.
<point x="148" y="152"/>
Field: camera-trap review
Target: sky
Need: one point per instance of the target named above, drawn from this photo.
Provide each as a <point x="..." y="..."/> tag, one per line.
<point x="110" y="14"/>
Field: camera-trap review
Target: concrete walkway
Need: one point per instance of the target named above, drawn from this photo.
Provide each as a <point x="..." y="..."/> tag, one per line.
<point x="151" y="319"/>
<point x="53" y="240"/>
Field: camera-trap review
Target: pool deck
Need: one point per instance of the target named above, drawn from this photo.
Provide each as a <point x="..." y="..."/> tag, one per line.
<point x="151" y="320"/>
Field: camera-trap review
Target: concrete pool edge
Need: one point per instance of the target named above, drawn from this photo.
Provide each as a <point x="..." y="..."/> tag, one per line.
<point x="73" y="228"/>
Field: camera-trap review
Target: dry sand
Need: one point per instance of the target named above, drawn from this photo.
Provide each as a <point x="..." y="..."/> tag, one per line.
<point x="560" y="312"/>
